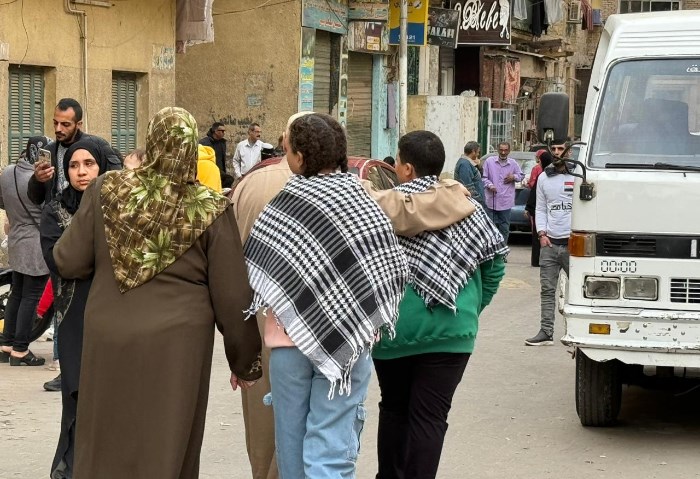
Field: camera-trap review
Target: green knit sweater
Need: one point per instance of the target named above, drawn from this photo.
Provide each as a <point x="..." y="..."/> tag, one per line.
<point x="421" y="330"/>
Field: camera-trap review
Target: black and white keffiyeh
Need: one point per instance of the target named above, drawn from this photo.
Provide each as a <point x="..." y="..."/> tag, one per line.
<point x="442" y="261"/>
<point x="323" y="256"/>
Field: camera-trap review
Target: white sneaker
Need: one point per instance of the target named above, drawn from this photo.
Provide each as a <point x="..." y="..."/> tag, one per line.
<point x="54" y="366"/>
<point x="48" y="334"/>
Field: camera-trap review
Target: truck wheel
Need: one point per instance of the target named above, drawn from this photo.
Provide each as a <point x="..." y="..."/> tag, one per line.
<point x="598" y="390"/>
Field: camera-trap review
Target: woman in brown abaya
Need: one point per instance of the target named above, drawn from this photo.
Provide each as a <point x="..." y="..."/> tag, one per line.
<point x="168" y="265"/>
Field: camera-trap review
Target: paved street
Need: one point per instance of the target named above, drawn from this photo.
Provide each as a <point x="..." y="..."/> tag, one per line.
<point x="513" y="415"/>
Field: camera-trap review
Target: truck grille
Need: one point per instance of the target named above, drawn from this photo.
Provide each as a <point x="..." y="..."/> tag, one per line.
<point x="685" y="290"/>
<point x="624" y="245"/>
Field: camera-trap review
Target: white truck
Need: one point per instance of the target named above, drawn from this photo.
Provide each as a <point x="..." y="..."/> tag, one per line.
<point x="632" y="307"/>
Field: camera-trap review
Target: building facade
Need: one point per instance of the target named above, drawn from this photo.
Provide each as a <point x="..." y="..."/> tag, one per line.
<point x="117" y="59"/>
<point x="269" y="61"/>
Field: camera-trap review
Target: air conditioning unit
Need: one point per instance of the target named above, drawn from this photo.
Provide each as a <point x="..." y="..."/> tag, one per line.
<point x="574" y="12"/>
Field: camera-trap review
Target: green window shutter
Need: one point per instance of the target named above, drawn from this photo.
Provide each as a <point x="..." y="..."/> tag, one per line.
<point x="124" y="112"/>
<point x="26" y="108"/>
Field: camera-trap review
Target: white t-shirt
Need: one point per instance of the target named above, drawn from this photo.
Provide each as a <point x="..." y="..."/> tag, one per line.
<point x="554" y="200"/>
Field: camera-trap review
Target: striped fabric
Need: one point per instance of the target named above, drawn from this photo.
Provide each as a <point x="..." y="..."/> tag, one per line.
<point x="442" y="261"/>
<point x="324" y="258"/>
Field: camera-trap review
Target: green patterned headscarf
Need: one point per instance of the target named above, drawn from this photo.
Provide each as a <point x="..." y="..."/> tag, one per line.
<point x="155" y="213"/>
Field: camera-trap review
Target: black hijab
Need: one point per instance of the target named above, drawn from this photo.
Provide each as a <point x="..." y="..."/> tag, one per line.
<point x="106" y="159"/>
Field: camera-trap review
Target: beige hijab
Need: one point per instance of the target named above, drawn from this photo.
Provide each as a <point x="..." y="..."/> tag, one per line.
<point x="155" y="213"/>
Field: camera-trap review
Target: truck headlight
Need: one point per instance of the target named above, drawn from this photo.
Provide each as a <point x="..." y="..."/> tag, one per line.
<point x="641" y="288"/>
<point x="602" y="287"/>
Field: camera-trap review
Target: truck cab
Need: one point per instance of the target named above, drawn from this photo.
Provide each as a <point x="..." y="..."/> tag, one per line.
<point x="633" y="297"/>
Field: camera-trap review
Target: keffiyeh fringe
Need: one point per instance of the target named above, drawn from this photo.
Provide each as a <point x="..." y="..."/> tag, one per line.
<point x="324" y="258"/>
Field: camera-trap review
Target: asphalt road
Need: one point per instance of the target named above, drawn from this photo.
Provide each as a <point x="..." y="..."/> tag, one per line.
<point x="513" y="415"/>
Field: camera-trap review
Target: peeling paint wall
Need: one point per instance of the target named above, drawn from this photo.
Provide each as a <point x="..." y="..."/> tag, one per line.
<point x="136" y="37"/>
<point x="454" y="119"/>
<point x="249" y="74"/>
<point x="384" y="140"/>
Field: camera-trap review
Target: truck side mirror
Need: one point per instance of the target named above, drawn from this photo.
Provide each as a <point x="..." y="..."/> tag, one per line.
<point x="553" y="117"/>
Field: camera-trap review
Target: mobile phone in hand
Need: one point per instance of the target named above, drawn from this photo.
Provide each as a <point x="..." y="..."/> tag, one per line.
<point x="44" y="157"/>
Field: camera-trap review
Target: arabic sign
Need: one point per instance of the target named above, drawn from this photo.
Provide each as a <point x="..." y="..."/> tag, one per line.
<point x="306" y="69"/>
<point x="328" y="15"/>
<point x="442" y="27"/>
<point x="368" y="37"/>
<point x="377" y="10"/>
<point x="483" y="22"/>
<point x="417" y="22"/>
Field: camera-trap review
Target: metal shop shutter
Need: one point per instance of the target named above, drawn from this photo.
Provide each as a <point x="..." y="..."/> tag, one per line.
<point x="322" y="72"/>
<point x="359" y="126"/>
<point x="26" y="108"/>
<point x="124" y="112"/>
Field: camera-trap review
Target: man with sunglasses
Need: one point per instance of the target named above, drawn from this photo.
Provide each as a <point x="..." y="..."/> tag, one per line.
<point x="215" y="140"/>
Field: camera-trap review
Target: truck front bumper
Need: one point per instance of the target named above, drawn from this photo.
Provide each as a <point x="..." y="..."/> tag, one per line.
<point x="637" y="336"/>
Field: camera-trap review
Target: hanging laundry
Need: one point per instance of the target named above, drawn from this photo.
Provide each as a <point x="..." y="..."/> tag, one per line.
<point x="520" y="9"/>
<point x="586" y="15"/>
<point x="554" y="11"/>
<point x="539" y="23"/>
<point x="512" y="81"/>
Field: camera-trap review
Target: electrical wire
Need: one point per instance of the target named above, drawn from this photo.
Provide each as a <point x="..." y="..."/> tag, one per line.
<point x="26" y="34"/>
<point x="262" y="5"/>
<point x="9" y="3"/>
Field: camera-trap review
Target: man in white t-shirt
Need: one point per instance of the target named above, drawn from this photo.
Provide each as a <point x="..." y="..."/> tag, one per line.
<point x="248" y="151"/>
<point x="555" y="192"/>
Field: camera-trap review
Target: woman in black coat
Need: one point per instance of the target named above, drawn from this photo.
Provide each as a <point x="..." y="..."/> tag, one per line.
<point x="83" y="162"/>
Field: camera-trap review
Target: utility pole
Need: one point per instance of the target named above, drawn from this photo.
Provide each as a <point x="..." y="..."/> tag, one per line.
<point x="403" y="68"/>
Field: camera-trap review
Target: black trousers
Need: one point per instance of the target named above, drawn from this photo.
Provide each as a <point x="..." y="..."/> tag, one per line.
<point x="21" y="309"/>
<point x="416" y="396"/>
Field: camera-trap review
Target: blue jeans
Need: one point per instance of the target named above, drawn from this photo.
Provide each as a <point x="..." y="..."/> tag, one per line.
<point x="502" y="221"/>
<point x="316" y="437"/>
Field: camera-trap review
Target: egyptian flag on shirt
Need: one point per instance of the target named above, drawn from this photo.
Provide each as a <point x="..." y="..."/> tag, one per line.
<point x="569" y="186"/>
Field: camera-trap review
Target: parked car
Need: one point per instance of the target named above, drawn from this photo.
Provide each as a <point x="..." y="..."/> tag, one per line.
<point x="527" y="161"/>
<point x="381" y="174"/>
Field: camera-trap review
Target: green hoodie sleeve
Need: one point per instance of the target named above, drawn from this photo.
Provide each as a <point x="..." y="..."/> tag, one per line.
<point x="492" y="273"/>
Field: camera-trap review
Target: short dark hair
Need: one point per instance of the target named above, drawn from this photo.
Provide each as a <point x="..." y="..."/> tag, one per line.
<point x="471" y="147"/>
<point x="321" y="140"/>
<point x="65" y="103"/>
<point x="504" y="143"/>
<point x="424" y="151"/>
<point x="389" y="160"/>
<point x="252" y="126"/>
<point x="216" y="125"/>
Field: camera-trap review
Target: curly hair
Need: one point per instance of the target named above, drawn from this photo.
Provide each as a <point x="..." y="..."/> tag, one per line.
<point x="321" y="140"/>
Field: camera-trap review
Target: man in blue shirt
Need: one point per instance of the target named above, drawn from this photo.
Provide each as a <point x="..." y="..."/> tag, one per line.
<point x="467" y="173"/>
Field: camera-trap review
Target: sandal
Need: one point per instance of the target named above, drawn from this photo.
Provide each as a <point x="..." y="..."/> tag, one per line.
<point x="4" y="357"/>
<point x="29" y="359"/>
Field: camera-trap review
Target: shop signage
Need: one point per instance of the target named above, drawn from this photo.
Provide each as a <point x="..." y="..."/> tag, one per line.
<point x="483" y="22"/>
<point x="377" y="10"/>
<point x="328" y="15"/>
<point x="368" y="37"/>
<point x="417" y="22"/>
<point x="306" y="69"/>
<point x="443" y="25"/>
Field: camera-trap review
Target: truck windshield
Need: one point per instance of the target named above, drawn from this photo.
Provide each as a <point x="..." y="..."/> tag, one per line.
<point x="649" y="114"/>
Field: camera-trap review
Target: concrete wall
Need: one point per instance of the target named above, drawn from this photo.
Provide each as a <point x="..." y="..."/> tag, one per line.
<point x="453" y="118"/>
<point x="136" y="37"/>
<point x="250" y="72"/>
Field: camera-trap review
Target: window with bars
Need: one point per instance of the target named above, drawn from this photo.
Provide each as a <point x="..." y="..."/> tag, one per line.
<point x="26" y="108"/>
<point x="501" y="127"/>
<point x="636" y="6"/>
<point x="124" y="112"/>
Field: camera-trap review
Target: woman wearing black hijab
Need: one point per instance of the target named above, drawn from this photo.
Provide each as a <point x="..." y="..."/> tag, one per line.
<point x="84" y="161"/>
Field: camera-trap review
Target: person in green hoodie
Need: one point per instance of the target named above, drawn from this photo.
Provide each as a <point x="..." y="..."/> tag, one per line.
<point x="455" y="272"/>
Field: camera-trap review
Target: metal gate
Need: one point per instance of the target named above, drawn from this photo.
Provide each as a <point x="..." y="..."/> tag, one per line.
<point x="322" y="72"/>
<point x="359" y="126"/>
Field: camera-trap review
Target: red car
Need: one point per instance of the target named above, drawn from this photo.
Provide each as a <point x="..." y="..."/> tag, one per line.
<point x="382" y="175"/>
